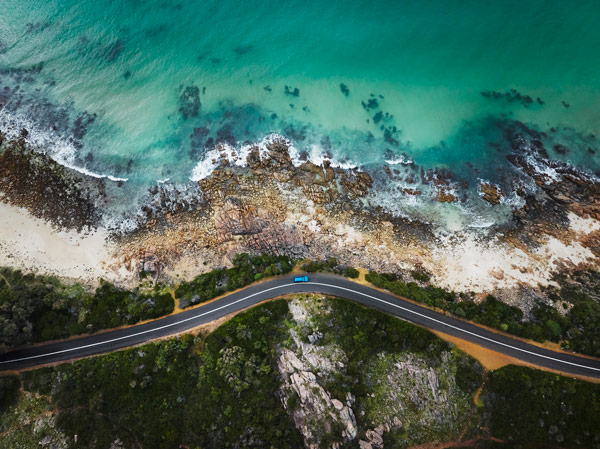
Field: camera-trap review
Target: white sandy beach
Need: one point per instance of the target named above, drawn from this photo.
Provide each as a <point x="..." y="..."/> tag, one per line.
<point x="31" y="244"/>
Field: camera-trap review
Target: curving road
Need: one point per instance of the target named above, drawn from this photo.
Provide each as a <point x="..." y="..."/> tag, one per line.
<point x="32" y="356"/>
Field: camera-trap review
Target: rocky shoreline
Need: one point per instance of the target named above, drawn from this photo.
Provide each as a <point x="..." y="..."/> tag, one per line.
<point x="47" y="189"/>
<point x="271" y="205"/>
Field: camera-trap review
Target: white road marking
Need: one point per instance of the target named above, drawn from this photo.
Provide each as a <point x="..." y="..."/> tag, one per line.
<point x="287" y="285"/>
<point x="459" y="329"/>
<point x="142" y="332"/>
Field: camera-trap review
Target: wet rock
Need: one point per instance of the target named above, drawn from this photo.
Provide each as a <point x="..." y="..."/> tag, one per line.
<point x="309" y="173"/>
<point x="490" y="193"/>
<point x="445" y="195"/>
<point x="47" y="189"/>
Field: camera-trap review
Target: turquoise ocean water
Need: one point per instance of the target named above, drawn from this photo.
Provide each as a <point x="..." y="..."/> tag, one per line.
<point x="141" y="90"/>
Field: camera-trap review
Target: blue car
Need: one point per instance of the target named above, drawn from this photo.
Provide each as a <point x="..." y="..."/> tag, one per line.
<point x="301" y="279"/>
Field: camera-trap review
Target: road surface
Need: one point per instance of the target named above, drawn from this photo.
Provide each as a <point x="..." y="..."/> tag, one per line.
<point x="27" y="357"/>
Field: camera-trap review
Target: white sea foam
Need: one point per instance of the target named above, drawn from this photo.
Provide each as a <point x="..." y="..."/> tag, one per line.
<point x="543" y="169"/>
<point x="402" y="159"/>
<point x="206" y="166"/>
<point x="238" y="156"/>
<point x="47" y="142"/>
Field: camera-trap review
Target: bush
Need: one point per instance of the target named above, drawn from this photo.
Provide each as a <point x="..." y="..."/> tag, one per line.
<point x="9" y="392"/>
<point x="420" y="276"/>
<point x="351" y="273"/>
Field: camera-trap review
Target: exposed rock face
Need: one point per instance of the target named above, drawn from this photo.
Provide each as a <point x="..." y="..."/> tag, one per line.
<point x="317" y="414"/>
<point x="270" y="206"/>
<point x="318" y="411"/>
<point x="400" y="393"/>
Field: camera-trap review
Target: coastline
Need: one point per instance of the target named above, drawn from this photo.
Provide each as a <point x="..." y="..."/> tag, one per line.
<point x="271" y="202"/>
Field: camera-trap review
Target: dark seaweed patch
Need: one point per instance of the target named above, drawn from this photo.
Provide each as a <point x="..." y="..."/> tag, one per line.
<point x="189" y="102"/>
<point x="293" y="91"/>
<point x="243" y="49"/>
<point x="371" y="103"/>
<point x="390" y="135"/>
<point x="114" y="50"/>
<point x="345" y="90"/>
<point x="197" y="141"/>
<point x="561" y="149"/>
<point x="225" y="134"/>
<point x="36" y="27"/>
<point x="295" y="134"/>
<point x="267" y="88"/>
<point x="511" y="96"/>
<point x="156" y="30"/>
<point x="81" y="124"/>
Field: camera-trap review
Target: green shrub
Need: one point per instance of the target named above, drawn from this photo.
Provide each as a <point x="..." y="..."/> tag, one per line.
<point x="420" y="276"/>
<point x="528" y="405"/>
<point x="9" y="393"/>
<point x="351" y="272"/>
<point x="246" y="269"/>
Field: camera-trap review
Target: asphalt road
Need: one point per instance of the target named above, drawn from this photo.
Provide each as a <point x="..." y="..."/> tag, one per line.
<point x="28" y="357"/>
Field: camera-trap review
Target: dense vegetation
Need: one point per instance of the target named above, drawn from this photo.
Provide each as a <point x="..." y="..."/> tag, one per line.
<point x="39" y="308"/>
<point x="222" y="390"/>
<point x="578" y="330"/>
<point x="213" y="393"/>
<point x="246" y="269"/>
<point x="530" y="406"/>
<point x="36" y="308"/>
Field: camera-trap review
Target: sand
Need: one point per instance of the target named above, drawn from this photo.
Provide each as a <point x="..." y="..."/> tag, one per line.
<point x="471" y="264"/>
<point x="33" y="245"/>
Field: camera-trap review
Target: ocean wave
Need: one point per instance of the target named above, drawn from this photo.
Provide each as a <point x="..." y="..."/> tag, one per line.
<point x="47" y="142"/>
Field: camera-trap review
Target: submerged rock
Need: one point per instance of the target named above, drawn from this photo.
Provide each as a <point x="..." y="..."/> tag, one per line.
<point x="189" y="102"/>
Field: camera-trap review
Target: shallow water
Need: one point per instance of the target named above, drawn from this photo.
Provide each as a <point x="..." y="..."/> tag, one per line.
<point x="156" y="84"/>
